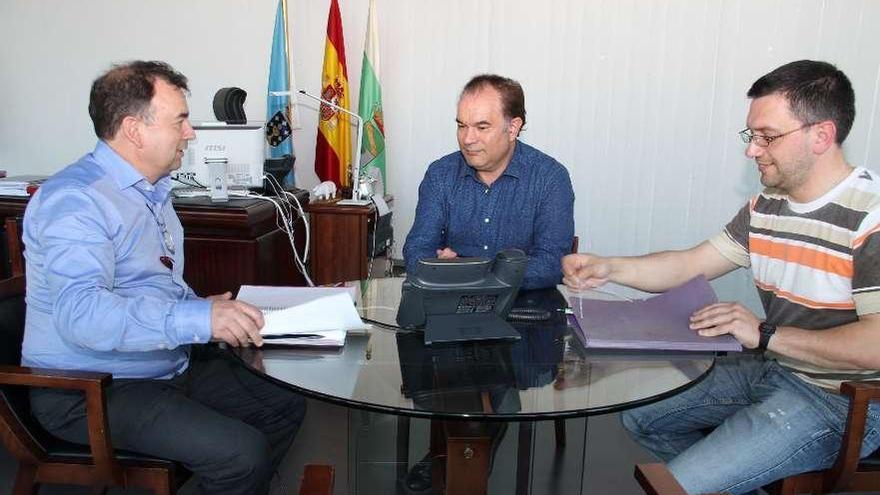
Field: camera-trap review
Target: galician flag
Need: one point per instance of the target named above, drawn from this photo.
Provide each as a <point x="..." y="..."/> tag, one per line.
<point x="333" y="150"/>
<point x="370" y="103"/>
<point x="278" y="117"/>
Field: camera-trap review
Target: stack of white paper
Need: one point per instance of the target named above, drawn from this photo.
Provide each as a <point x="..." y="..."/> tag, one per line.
<point x="308" y="316"/>
<point x="18" y="185"/>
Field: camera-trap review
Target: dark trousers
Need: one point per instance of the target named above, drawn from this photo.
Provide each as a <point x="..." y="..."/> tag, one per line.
<point x="218" y="419"/>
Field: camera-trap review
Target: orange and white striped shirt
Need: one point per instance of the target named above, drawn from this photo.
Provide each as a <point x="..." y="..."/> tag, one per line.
<point x="816" y="265"/>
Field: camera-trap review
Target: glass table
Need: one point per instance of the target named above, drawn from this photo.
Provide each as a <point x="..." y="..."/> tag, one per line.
<point x="545" y="375"/>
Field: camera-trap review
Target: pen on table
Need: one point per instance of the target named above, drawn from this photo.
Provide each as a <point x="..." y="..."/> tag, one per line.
<point x="369" y="353"/>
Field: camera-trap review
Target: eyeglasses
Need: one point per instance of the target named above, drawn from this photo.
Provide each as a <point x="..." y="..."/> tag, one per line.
<point x="166" y="237"/>
<point x="168" y="261"/>
<point x="167" y="240"/>
<point x="763" y="141"/>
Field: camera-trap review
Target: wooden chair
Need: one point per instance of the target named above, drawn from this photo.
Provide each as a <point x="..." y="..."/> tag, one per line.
<point x="14" y="246"/>
<point x="43" y="458"/>
<point x="655" y="479"/>
<point x="46" y="459"/>
<point x="849" y="473"/>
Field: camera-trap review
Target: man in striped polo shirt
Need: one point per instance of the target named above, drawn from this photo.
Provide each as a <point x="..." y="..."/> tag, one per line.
<point x="811" y="241"/>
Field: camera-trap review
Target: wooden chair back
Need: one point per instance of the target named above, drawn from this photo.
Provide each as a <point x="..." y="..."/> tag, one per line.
<point x="849" y="473"/>
<point x="14" y="246"/>
<point x="22" y="435"/>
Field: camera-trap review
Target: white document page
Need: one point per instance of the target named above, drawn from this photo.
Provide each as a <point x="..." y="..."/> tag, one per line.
<point x="269" y="298"/>
<point x="325" y="313"/>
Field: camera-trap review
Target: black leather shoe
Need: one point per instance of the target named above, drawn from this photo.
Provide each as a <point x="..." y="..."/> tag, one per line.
<point x="418" y="479"/>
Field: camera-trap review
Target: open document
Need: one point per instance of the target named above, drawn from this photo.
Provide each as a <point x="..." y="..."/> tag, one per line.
<point x="660" y="322"/>
<point x="308" y="316"/>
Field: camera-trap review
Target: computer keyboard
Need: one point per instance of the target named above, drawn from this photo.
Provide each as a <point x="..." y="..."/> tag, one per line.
<point x="189" y="192"/>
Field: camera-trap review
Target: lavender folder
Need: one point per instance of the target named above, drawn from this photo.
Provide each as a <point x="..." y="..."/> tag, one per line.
<point x="660" y="322"/>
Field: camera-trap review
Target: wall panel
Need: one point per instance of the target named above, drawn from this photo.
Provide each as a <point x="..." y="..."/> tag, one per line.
<point x="640" y="99"/>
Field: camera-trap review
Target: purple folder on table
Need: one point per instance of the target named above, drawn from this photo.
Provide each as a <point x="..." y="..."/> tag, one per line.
<point x="660" y="322"/>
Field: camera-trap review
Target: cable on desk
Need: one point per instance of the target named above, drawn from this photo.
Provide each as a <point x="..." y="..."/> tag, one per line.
<point x="529" y="314"/>
<point x="285" y="220"/>
<point x="190" y="182"/>
<point x="387" y="326"/>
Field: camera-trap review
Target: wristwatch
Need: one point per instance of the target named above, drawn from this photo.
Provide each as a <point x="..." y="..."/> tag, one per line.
<point x="767" y="330"/>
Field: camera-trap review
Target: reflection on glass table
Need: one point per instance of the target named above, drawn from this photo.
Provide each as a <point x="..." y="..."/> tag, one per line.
<point x="547" y="374"/>
<point x="555" y="375"/>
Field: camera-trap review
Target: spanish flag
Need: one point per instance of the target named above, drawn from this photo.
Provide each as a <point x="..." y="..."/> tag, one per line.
<point x="333" y="150"/>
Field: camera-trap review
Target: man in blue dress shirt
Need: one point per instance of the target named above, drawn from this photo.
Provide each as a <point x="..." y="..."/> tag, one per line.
<point x="496" y="192"/>
<point x="105" y="292"/>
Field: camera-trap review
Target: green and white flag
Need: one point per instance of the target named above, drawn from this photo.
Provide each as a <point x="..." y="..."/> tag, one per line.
<point x="370" y="104"/>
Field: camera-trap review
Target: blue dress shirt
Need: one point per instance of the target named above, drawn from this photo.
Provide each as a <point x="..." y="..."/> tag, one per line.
<point x="529" y="207"/>
<point x="99" y="297"/>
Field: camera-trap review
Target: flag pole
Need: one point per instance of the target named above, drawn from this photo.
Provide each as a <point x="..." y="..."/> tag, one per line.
<point x="355" y="191"/>
<point x="290" y="100"/>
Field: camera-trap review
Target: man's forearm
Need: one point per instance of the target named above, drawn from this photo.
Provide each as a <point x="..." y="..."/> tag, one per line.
<point x="663" y="270"/>
<point x="655" y="272"/>
<point x="854" y="346"/>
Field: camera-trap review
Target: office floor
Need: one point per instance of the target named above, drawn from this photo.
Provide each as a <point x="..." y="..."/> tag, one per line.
<point x="361" y="447"/>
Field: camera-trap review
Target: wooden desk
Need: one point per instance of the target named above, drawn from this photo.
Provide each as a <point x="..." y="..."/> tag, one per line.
<point x="226" y="245"/>
<point x="340" y="240"/>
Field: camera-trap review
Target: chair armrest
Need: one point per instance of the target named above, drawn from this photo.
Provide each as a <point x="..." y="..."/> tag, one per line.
<point x="860" y="394"/>
<point x="861" y="390"/>
<point x="51" y="378"/>
<point x="93" y="385"/>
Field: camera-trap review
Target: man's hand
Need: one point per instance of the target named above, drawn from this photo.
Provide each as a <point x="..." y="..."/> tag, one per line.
<point x="235" y="322"/>
<point x="733" y="318"/>
<point x="446" y="253"/>
<point x="220" y="297"/>
<point x="582" y="271"/>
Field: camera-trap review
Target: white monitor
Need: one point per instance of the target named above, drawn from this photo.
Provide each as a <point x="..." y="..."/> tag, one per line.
<point x="243" y="147"/>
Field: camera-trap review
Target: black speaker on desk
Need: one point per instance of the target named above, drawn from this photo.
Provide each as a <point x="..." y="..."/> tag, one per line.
<point x="278" y="168"/>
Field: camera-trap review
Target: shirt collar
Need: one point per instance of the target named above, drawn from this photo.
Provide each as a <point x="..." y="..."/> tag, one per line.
<point x="125" y="175"/>
<point x="515" y="168"/>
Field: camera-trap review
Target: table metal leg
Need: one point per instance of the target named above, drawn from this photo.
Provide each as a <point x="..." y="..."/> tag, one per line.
<point x="524" y="458"/>
<point x="584" y="455"/>
<point x="402" y="447"/>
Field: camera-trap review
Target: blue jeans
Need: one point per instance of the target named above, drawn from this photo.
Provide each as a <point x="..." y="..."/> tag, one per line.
<point x="748" y="423"/>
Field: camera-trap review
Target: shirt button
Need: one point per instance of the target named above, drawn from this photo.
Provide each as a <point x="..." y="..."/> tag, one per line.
<point x="485" y="248"/>
<point x="195" y="338"/>
<point x="162" y="346"/>
<point x="486" y="220"/>
<point x="486" y="191"/>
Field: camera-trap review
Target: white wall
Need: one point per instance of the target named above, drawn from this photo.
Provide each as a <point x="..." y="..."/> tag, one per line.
<point x="640" y="99"/>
